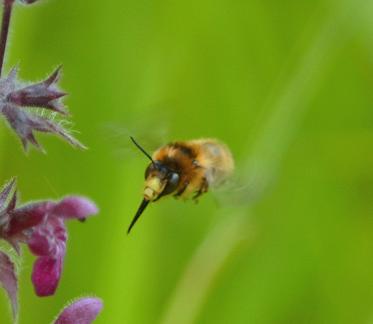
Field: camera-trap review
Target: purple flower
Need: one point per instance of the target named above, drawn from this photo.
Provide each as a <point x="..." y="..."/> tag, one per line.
<point x="48" y="240"/>
<point x="14" y="99"/>
<point x="41" y="225"/>
<point x="82" y="311"/>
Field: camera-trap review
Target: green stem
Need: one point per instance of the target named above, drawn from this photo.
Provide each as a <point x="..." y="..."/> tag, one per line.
<point x="7" y="12"/>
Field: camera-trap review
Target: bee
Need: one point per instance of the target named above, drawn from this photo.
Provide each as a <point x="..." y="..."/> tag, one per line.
<point x="184" y="169"/>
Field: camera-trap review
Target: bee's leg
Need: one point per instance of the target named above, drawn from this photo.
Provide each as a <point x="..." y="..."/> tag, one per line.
<point x="181" y="190"/>
<point x="203" y="189"/>
<point x="196" y="196"/>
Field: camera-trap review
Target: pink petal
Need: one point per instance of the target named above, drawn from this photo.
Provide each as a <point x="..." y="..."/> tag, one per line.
<point x="27" y="216"/>
<point x="49" y="242"/>
<point x="82" y="311"/>
<point x="49" y="238"/>
<point x="75" y="207"/>
<point x="8" y="280"/>
<point x="46" y="275"/>
<point x="39" y="244"/>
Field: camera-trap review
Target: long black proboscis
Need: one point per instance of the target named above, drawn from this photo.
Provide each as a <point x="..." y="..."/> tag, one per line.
<point x="142" y="207"/>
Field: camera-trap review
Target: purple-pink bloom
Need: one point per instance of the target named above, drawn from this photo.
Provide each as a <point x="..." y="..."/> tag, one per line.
<point x="8" y="279"/>
<point x="82" y="311"/>
<point x="41" y="225"/>
<point x="45" y="94"/>
<point x="48" y="241"/>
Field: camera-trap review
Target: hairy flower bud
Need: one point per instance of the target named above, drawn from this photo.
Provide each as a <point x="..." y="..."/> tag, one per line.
<point x="82" y="311"/>
<point x="15" y="98"/>
<point x="43" y="94"/>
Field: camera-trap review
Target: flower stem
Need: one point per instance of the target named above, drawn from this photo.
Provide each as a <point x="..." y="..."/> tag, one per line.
<point x="7" y="12"/>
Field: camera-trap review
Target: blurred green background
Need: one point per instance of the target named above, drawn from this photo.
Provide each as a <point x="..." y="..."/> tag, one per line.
<point x="286" y="84"/>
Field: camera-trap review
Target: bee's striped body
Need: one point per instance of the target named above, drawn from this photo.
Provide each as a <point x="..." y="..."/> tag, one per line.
<point x="200" y="164"/>
<point x="184" y="169"/>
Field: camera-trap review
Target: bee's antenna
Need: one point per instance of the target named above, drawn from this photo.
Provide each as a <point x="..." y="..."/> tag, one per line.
<point x="141" y="149"/>
<point x="142" y="207"/>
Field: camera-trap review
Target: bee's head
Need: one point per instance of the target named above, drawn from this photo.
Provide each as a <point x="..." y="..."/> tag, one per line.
<point x="160" y="180"/>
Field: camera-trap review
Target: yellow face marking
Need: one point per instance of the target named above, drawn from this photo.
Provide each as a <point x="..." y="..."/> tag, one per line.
<point x="153" y="188"/>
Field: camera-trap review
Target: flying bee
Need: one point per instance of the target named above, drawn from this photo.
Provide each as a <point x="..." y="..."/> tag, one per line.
<point x="184" y="169"/>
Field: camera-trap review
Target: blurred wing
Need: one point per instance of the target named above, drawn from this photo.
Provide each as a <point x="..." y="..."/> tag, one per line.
<point x="235" y="191"/>
<point x="117" y="137"/>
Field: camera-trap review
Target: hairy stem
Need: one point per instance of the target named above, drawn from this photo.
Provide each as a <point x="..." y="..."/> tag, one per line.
<point x="7" y="12"/>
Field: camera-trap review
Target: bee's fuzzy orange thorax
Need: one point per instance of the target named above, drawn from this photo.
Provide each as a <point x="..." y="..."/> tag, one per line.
<point x="182" y="157"/>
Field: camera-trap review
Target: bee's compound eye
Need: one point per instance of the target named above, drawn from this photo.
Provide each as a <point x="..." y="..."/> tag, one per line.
<point x="173" y="178"/>
<point x="172" y="183"/>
